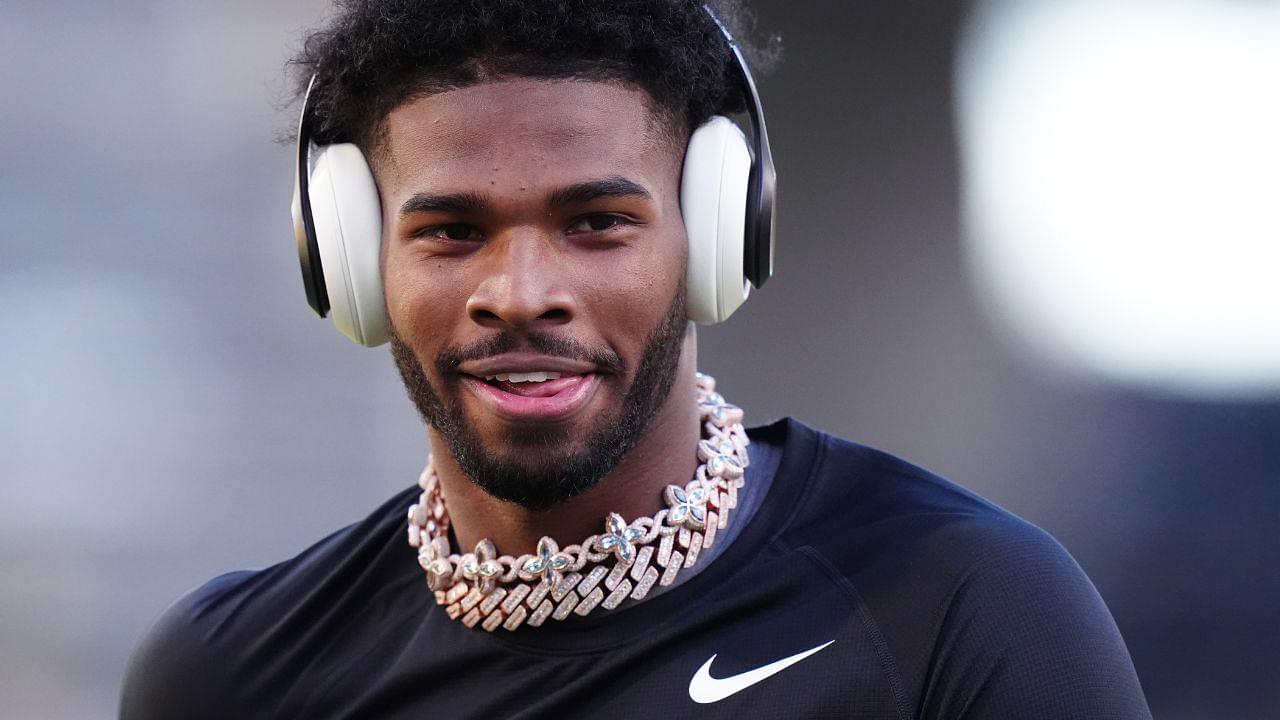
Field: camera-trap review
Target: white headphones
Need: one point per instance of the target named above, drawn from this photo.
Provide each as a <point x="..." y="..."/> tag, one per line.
<point x="726" y="199"/>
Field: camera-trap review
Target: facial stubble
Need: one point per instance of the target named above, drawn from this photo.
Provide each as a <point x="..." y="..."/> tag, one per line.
<point x="539" y="468"/>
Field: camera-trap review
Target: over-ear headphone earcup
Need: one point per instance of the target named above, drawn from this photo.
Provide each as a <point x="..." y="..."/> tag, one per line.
<point x="348" y="225"/>
<point x="713" y="200"/>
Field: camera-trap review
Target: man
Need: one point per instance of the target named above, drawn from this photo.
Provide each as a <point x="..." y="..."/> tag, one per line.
<point x="517" y="195"/>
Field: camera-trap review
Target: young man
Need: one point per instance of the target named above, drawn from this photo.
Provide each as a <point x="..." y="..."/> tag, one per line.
<point x="531" y="200"/>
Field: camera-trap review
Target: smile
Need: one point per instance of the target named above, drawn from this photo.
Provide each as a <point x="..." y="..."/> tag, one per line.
<point x="534" y="396"/>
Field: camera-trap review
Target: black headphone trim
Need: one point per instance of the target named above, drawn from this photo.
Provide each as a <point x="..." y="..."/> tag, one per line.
<point x="762" y="183"/>
<point x="308" y="245"/>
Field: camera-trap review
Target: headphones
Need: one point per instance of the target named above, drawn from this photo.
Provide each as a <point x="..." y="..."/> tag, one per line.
<point x="727" y="192"/>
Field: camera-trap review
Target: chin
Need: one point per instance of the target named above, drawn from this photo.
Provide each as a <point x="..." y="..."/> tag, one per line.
<point x="537" y="466"/>
<point x="534" y="441"/>
<point x="536" y="475"/>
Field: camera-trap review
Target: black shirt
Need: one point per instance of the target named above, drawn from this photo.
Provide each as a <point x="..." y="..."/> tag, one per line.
<point x="912" y="597"/>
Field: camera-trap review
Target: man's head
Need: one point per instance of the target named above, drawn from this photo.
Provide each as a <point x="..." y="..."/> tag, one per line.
<point x="528" y="159"/>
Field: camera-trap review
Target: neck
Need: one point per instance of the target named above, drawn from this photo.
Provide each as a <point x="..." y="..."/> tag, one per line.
<point x="665" y="454"/>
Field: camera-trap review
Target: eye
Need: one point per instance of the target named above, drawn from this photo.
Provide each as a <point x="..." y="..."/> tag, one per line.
<point x="598" y="222"/>
<point x="456" y="232"/>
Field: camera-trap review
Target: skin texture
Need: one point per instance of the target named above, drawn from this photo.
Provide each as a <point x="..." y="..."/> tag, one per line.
<point x="519" y="269"/>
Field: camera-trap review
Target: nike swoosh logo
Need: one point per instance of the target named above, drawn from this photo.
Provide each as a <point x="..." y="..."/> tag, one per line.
<point x="705" y="689"/>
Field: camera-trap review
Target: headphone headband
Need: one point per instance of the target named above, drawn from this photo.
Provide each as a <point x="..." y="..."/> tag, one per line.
<point x="308" y="245"/>
<point x="762" y="184"/>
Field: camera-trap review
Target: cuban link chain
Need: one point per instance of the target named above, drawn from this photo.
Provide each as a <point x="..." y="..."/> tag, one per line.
<point x="624" y="561"/>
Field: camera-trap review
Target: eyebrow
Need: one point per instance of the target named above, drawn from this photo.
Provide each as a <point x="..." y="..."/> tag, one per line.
<point x="464" y="202"/>
<point x="575" y="194"/>
<point x="612" y="187"/>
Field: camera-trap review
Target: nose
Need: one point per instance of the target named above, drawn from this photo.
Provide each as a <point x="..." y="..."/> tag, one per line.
<point x="524" y="285"/>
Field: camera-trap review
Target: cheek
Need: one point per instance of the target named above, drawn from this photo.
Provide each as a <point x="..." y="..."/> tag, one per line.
<point x="418" y="307"/>
<point x="632" y="298"/>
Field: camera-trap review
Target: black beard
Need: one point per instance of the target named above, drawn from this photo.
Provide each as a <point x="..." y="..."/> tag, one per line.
<point x="542" y="469"/>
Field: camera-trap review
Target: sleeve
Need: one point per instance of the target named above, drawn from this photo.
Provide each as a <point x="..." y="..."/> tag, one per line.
<point x="1026" y="635"/>
<point x="171" y="672"/>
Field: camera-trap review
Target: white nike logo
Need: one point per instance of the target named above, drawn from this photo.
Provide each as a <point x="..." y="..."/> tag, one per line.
<point x="705" y="689"/>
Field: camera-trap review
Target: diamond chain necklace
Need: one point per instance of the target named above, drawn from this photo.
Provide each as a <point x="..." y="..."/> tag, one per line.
<point x="624" y="561"/>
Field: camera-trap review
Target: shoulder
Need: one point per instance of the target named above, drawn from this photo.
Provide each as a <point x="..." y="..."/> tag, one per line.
<point x="176" y="667"/>
<point x="234" y="642"/>
<point x="882" y="520"/>
<point x="851" y="498"/>
<point x="979" y="609"/>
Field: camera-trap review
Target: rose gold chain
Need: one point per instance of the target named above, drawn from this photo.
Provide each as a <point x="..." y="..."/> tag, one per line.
<point x="624" y="561"/>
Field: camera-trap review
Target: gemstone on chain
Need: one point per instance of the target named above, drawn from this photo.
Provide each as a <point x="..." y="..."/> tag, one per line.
<point x="481" y="566"/>
<point x="619" y="538"/>
<point x="439" y="573"/>
<point x="548" y="561"/>
<point x="688" y="508"/>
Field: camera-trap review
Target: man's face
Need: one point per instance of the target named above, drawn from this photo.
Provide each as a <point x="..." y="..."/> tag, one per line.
<point x="533" y="226"/>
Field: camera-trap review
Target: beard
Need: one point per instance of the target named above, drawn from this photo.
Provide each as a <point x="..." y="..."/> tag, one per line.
<point x="538" y="468"/>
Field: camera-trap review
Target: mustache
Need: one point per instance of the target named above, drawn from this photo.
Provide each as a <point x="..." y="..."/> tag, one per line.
<point x="606" y="361"/>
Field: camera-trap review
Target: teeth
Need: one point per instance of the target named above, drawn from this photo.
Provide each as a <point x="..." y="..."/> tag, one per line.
<point x="537" y="376"/>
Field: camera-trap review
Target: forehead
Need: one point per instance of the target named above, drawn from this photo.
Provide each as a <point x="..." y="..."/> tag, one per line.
<point x="526" y="125"/>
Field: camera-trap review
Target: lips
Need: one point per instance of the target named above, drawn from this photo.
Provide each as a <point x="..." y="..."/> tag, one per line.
<point x="529" y="387"/>
<point x="539" y="389"/>
<point x="546" y="401"/>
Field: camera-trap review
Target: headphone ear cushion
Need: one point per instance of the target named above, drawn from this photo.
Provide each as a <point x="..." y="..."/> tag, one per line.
<point x="348" y="224"/>
<point x="713" y="201"/>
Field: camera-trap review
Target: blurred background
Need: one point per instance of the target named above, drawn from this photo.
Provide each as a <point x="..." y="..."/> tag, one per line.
<point x="1031" y="246"/>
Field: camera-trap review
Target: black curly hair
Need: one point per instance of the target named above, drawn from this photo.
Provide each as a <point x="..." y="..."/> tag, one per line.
<point x="376" y="54"/>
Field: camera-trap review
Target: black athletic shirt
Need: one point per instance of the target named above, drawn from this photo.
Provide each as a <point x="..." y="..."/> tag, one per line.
<point x="909" y="597"/>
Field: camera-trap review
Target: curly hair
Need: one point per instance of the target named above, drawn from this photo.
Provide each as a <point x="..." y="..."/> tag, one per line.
<point x="375" y="55"/>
